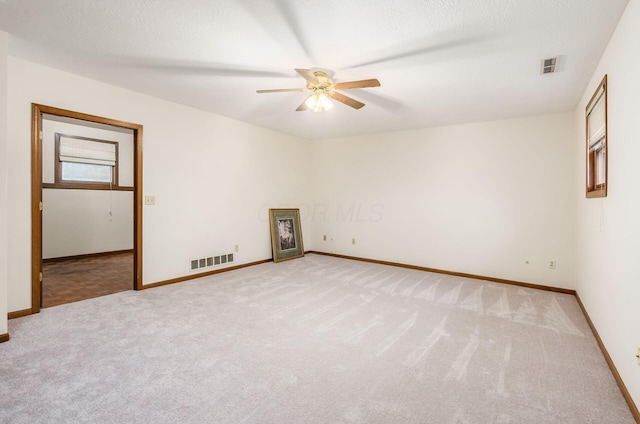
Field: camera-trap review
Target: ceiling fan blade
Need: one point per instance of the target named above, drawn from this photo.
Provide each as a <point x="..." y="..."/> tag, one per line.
<point x="281" y="90"/>
<point x="347" y="100"/>
<point x="308" y="75"/>
<point x="303" y="106"/>
<point x="357" y="84"/>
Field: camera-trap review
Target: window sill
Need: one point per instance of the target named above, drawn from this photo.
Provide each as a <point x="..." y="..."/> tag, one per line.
<point x="87" y="186"/>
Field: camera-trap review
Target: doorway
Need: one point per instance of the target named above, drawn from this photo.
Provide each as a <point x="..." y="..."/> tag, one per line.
<point x="48" y="192"/>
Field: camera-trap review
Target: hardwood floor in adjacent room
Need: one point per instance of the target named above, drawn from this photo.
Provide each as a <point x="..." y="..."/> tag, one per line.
<point x="71" y="280"/>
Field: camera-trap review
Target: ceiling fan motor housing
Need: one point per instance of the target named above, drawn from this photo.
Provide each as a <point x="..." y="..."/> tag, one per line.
<point x="325" y="84"/>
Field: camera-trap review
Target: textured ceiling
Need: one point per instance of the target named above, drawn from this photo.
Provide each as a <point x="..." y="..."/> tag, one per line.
<point x="439" y="62"/>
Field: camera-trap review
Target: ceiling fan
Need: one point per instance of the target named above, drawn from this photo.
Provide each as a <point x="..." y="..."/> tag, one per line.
<point x="323" y="88"/>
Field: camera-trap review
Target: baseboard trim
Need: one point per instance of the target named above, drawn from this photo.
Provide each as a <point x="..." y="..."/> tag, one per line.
<point x="87" y="256"/>
<point x="454" y="273"/>
<point x="202" y="274"/>
<point x="20" y="314"/>
<point x="625" y="393"/>
<point x="4" y="338"/>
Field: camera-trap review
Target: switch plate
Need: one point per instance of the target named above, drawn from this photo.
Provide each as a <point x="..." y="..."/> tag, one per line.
<point x="237" y="249"/>
<point x="353" y="241"/>
<point x="638" y="356"/>
<point x="324" y="237"/>
<point x="149" y="200"/>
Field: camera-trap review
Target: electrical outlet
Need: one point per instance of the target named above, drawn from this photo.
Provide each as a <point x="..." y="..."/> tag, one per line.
<point x="324" y="237"/>
<point x="149" y="200"/>
<point x="237" y="249"/>
<point x="552" y="264"/>
<point x="638" y="356"/>
<point x="353" y="241"/>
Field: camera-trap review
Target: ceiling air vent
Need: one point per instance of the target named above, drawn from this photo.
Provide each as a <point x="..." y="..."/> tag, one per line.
<point x="549" y="65"/>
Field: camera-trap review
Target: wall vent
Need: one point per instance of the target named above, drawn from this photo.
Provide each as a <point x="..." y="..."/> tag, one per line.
<point x="549" y="65"/>
<point x="211" y="261"/>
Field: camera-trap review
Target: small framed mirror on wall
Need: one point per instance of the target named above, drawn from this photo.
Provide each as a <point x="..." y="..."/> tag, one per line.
<point x="597" y="142"/>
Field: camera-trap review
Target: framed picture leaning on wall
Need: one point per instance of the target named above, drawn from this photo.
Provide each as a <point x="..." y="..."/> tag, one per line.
<point x="286" y="235"/>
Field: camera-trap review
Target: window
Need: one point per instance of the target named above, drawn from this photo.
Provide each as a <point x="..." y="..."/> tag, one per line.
<point x="597" y="142"/>
<point x="86" y="162"/>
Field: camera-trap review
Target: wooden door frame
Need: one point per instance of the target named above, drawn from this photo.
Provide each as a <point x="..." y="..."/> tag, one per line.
<point x="37" y="111"/>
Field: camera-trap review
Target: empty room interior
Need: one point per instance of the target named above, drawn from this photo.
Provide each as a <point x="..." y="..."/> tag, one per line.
<point x="456" y="179"/>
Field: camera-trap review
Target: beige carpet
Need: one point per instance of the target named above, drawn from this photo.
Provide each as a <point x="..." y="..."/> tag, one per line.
<point x="312" y="340"/>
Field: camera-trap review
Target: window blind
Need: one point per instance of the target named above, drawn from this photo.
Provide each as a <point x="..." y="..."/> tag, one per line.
<point x="87" y="151"/>
<point x="597" y="122"/>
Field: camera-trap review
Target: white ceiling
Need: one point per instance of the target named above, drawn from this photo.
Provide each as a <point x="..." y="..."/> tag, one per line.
<point x="439" y="62"/>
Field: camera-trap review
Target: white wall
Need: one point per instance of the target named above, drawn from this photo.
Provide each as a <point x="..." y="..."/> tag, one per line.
<point x="4" y="54"/>
<point x="77" y="222"/>
<point x="480" y="198"/>
<point x="608" y="253"/>
<point x="211" y="175"/>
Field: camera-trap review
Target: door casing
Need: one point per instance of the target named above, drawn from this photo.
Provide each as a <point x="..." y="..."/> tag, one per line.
<point x="37" y="111"/>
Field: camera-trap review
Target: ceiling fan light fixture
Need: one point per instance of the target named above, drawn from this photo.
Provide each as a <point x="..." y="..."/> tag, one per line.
<point x="319" y="102"/>
<point x="324" y="102"/>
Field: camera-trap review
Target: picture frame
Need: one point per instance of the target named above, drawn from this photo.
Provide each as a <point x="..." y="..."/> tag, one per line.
<point x="286" y="234"/>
